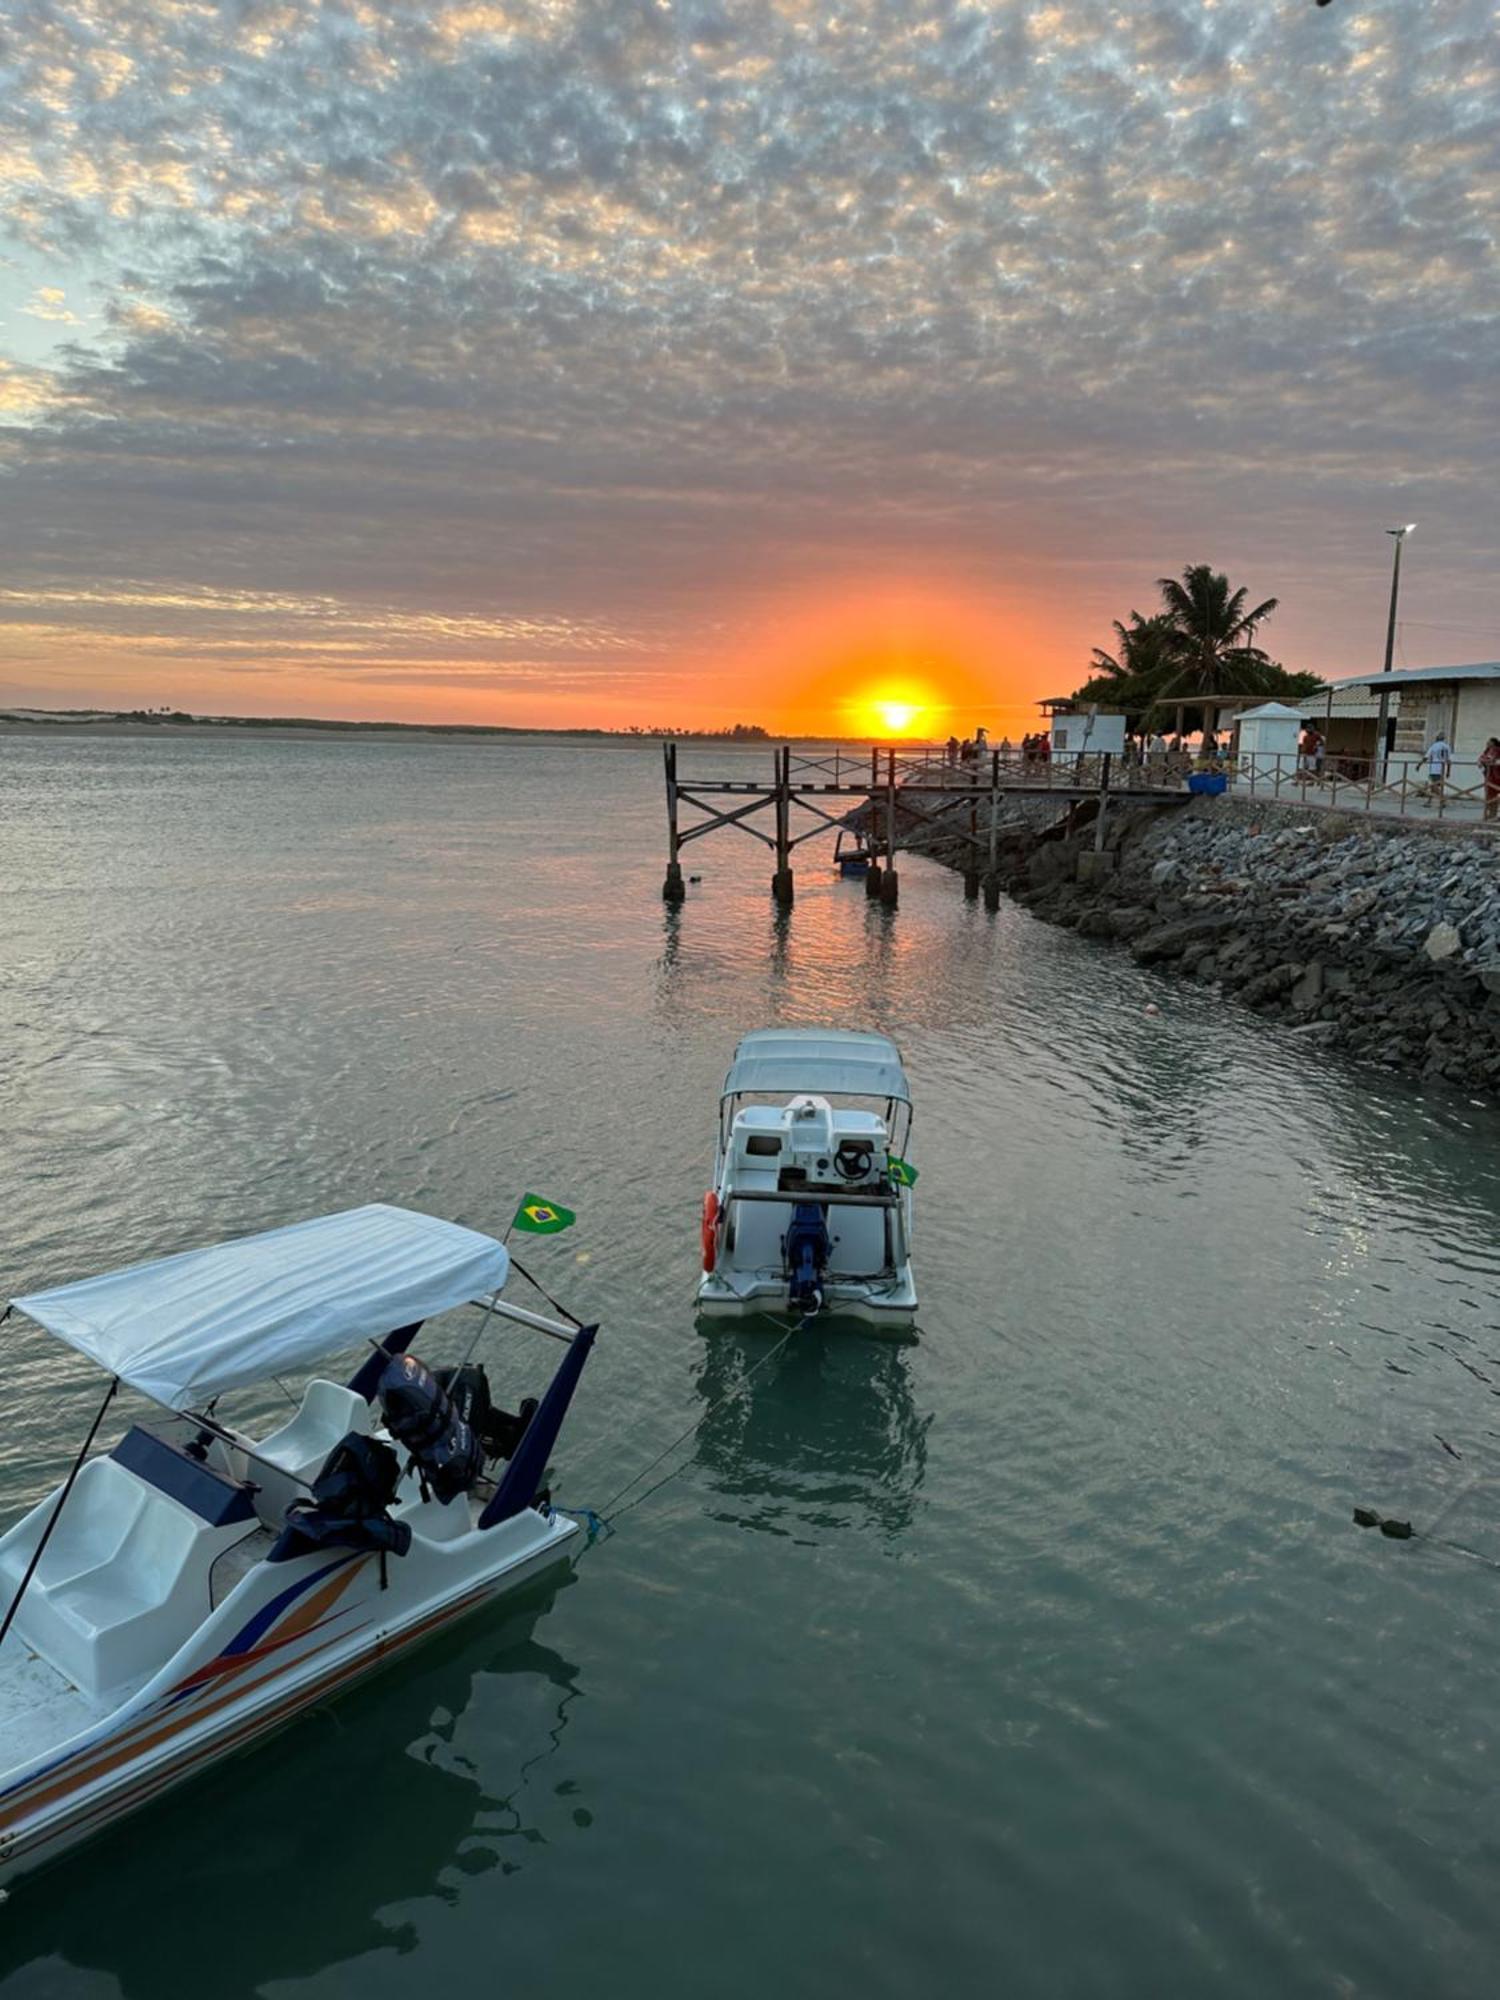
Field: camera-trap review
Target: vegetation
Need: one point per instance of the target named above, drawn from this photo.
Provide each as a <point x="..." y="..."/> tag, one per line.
<point x="1197" y="649"/>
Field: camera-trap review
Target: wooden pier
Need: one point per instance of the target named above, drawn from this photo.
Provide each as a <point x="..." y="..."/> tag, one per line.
<point x="899" y="792"/>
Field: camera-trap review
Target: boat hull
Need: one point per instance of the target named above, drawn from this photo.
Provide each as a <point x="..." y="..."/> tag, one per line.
<point x="225" y="1704"/>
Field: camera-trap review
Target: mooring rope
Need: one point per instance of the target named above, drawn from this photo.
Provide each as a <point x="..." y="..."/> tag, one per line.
<point x="601" y="1521"/>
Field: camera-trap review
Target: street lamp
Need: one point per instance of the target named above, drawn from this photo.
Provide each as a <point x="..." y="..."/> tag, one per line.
<point x="1382" y="729"/>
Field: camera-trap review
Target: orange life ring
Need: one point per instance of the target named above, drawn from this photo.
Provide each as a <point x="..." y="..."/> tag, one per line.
<point x="710" y="1230"/>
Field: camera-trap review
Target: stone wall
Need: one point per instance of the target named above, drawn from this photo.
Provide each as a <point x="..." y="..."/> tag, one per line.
<point x="1368" y="935"/>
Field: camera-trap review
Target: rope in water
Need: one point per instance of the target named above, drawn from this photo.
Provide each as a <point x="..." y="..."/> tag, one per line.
<point x="601" y="1521"/>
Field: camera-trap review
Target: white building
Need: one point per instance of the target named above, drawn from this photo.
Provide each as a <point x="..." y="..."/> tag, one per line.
<point x="1462" y="703"/>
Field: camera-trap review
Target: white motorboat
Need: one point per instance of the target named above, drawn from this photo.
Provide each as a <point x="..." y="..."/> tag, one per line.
<point x="811" y="1205"/>
<point x="196" y="1587"/>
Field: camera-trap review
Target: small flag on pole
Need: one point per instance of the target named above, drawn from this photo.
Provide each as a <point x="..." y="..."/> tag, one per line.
<point x="902" y="1174"/>
<point x="536" y="1217"/>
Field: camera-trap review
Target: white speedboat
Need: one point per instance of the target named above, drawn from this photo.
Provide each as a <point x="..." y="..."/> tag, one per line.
<point x="199" y="1585"/>
<point x="810" y="1209"/>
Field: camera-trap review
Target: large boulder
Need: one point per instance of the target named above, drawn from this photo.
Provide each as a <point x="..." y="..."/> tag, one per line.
<point x="1171" y="940"/>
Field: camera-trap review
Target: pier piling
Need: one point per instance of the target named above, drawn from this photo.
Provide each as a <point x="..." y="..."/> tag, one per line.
<point x="673" y="889"/>
<point x="781" y="881"/>
<point x="889" y="880"/>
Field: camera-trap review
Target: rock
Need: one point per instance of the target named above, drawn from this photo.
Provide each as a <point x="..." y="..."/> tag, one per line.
<point x="1443" y="941"/>
<point x="1308" y="990"/>
<point x="1162" y="872"/>
<point x="1270" y="985"/>
<point x="1170" y="940"/>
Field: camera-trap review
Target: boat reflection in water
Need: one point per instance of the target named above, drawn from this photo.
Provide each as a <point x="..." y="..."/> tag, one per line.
<point x="430" y="1773"/>
<point x="825" y="1435"/>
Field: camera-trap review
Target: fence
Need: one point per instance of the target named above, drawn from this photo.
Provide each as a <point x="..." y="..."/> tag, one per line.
<point x="1353" y="784"/>
<point x="1407" y="789"/>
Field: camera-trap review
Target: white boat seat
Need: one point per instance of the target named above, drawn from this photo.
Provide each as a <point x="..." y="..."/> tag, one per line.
<point x="328" y="1412"/>
<point x="124" y="1580"/>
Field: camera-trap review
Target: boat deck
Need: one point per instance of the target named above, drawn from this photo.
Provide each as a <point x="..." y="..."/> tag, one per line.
<point x="236" y="1563"/>
<point x="42" y="1708"/>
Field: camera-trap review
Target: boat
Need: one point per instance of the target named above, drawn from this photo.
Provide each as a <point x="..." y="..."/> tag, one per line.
<point x="851" y="853"/>
<point x="810" y="1210"/>
<point x="199" y="1585"/>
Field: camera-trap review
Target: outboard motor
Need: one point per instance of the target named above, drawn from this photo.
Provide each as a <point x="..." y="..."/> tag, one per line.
<point x="468" y="1390"/>
<point x="419" y="1414"/>
<point x="807" y="1249"/>
<point x="347" y="1509"/>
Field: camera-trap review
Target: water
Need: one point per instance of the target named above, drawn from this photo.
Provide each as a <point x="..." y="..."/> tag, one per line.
<point x="1039" y="1656"/>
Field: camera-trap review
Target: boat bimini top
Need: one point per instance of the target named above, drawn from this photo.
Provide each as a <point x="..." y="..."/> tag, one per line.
<point x="184" y="1330"/>
<point x="822" y="1062"/>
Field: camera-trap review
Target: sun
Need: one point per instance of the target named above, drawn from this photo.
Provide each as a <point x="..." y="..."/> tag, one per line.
<point x="897" y="716"/>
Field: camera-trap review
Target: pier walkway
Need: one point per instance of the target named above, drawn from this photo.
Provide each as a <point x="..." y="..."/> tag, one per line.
<point x="893" y="794"/>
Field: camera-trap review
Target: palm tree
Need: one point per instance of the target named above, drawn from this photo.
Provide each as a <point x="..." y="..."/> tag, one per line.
<point x="1210" y="639"/>
<point x="1142" y="649"/>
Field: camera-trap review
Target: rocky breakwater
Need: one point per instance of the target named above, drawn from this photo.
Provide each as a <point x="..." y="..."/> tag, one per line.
<point x="1377" y="937"/>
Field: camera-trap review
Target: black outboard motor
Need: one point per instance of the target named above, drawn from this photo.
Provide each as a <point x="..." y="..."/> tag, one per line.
<point x="807" y="1252"/>
<point x="347" y="1508"/>
<point x="420" y="1416"/>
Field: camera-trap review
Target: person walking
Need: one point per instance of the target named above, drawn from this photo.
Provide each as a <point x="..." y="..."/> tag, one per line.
<point x="1439" y="764"/>
<point x="1489" y="763"/>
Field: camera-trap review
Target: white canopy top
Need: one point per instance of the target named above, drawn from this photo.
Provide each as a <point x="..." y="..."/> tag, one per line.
<point x="845" y="1061"/>
<point x="185" y="1329"/>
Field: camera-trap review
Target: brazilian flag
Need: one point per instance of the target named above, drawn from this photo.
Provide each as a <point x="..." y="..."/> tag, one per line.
<point x="536" y="1217"/>
<point x="902" y="1174"/>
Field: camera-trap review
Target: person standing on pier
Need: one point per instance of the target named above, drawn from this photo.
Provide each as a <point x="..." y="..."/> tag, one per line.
<point x="1489" y="763"/>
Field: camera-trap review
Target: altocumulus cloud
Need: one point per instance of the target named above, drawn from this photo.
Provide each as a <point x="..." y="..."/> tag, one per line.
<point x="489" y="342"/>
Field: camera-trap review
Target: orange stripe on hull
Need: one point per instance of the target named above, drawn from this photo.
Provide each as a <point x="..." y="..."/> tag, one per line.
<point x="148" y="1786"/>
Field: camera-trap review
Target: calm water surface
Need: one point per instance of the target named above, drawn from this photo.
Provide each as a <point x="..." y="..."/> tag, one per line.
<point x="1038" y="1657"/>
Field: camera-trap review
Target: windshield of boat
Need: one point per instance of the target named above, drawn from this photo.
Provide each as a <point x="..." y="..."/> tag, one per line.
<point x="895" y="1112"/>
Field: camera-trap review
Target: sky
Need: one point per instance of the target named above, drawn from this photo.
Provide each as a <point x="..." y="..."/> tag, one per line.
<point x="680" y="362"/>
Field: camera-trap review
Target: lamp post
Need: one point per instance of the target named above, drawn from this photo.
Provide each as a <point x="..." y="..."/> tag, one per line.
<point x="1382" y="726"/>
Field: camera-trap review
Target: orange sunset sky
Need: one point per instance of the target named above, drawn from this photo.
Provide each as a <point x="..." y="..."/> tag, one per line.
<point x="678" y="363"/>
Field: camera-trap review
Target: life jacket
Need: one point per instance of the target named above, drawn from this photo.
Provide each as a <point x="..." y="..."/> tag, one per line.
<point x="347" y="1504"/>
<point x="419" y="1414"/>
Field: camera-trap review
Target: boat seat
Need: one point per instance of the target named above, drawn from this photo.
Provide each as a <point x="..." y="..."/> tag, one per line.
<point x="300" y="1448"/>
<point x="124" y="1580"/>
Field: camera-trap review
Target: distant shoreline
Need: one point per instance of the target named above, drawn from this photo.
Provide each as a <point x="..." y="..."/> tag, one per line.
<point x="21" y="722"/>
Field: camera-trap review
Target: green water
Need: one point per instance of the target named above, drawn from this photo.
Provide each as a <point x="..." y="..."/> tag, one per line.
<point x="1038" y="1657"/>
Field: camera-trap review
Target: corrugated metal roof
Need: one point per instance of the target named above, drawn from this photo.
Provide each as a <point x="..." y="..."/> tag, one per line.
<point x="1477" y="670"/>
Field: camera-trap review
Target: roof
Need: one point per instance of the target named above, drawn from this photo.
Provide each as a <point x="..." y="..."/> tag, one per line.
<point x="185" y="1329"/>
<point x="1476" y="670"/>
<point x="846" y="1061"/>
<point x="1271" y="711"/>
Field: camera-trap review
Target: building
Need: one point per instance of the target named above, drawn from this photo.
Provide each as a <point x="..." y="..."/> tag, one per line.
<point x="1463" y="703"/>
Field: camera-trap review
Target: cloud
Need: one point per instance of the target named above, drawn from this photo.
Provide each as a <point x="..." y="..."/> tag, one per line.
<point x="604" y="317"/>
<point x="49" y="302"/>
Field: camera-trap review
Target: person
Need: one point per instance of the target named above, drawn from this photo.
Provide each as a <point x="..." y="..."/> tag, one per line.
<point x="1044" y="747"/>
<point x="953" y="750"/>
<point x="981" y="744"/>
<point x="966" y="752"/>
<point x="1489" y="763"/>
<point x="1439" y="763"/>
<point x="1006" y="748"/>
